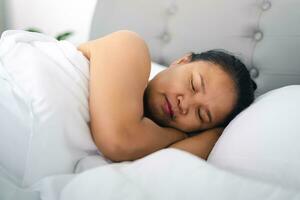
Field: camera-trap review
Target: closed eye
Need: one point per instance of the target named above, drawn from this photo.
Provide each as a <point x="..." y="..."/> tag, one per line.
<point x="200" y="115"/>
<point x="192" y="84"/>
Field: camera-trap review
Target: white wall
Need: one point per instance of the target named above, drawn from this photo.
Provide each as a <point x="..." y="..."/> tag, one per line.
<point x="2" y="13"/>
<point x="52" y="16"/>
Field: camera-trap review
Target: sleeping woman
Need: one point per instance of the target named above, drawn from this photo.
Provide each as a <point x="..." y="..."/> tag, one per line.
<point x="131" y="117"/>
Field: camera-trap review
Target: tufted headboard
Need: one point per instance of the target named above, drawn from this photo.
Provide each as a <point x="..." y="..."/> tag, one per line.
<point x="265" y="34"/>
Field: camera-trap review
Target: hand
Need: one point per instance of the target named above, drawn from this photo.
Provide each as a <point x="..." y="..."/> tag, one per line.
<point x="201" y="144"/>
<point x="178" y="134"/>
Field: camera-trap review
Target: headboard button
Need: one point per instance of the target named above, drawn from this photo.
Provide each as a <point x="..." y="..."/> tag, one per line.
<point x="258" y="35"/>
<point x="254" y="73"/>
<point x="165" y="37"/>
<point x="266" y="5"/>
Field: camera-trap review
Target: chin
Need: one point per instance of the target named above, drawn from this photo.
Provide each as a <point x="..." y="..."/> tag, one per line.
<point x="157" y="119"/>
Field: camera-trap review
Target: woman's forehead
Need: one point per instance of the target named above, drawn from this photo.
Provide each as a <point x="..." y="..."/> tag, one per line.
<point x="204" y="65"/>
<point x="222" y="103"/>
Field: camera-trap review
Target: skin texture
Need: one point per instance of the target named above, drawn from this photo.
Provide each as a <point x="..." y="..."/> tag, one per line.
<point x="193" y="89"/>
<point x="119" y="72"/>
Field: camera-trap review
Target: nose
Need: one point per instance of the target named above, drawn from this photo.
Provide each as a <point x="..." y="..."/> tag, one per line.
<point x="182" y="106"/>
<point x="187" y="103"/>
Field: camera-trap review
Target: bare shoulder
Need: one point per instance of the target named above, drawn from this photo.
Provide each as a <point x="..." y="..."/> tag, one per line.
<point x="124" y="50"/>
<point x="128" y="43"/>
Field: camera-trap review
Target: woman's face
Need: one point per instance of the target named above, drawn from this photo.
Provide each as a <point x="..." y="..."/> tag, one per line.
<point x="190" y="96"/>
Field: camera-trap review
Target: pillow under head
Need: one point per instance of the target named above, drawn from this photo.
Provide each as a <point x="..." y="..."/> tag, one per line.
<point x="263" y="140"/>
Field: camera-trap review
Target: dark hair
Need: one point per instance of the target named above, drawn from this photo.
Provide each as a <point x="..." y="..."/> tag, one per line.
<point x="244" y="85"/>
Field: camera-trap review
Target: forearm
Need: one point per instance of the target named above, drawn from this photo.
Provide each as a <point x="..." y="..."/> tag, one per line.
<point x="201" y="144"/>
<point x="147" y="137"/>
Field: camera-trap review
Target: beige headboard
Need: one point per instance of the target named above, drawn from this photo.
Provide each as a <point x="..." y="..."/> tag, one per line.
<point x="265" y="34"/>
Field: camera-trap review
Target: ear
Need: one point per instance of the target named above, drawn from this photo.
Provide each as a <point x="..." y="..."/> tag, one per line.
<point x="183" y="60"/>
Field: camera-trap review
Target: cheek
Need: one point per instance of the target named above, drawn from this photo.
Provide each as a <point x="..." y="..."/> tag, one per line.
<point x="175" y="80"/>
<point x="176" y="86"/>
<point x="154" y="101"/>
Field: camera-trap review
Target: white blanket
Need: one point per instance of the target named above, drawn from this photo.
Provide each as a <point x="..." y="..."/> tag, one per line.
<point x="44" y="114"/>
<point x="167" y="174"/>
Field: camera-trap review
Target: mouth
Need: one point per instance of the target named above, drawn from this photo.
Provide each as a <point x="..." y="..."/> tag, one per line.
<point x="168" y="109"/>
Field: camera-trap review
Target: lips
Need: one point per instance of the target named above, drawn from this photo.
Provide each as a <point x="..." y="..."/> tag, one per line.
<point x="168" y="108"/>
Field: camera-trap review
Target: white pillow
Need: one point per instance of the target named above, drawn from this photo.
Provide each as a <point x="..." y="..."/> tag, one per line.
<point x="155" y="69"/>
<point x="263" y="140"/>
<point x="44" y="112"/>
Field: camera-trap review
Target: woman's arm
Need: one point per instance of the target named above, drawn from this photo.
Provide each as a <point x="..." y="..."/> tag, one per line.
<point x="201" y="144"/>
<point x="119" y="71"/>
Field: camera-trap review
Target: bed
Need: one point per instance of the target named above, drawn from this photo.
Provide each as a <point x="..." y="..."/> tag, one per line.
<point x="255" y="158"/>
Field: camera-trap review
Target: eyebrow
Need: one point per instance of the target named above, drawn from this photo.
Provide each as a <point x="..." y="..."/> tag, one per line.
<point x="204" y="90"/>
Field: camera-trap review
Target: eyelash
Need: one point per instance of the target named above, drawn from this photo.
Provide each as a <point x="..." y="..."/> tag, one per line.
<point x="193" y="88"/>
<point x="200" y="115"/>
<point x="192" y="85"/>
